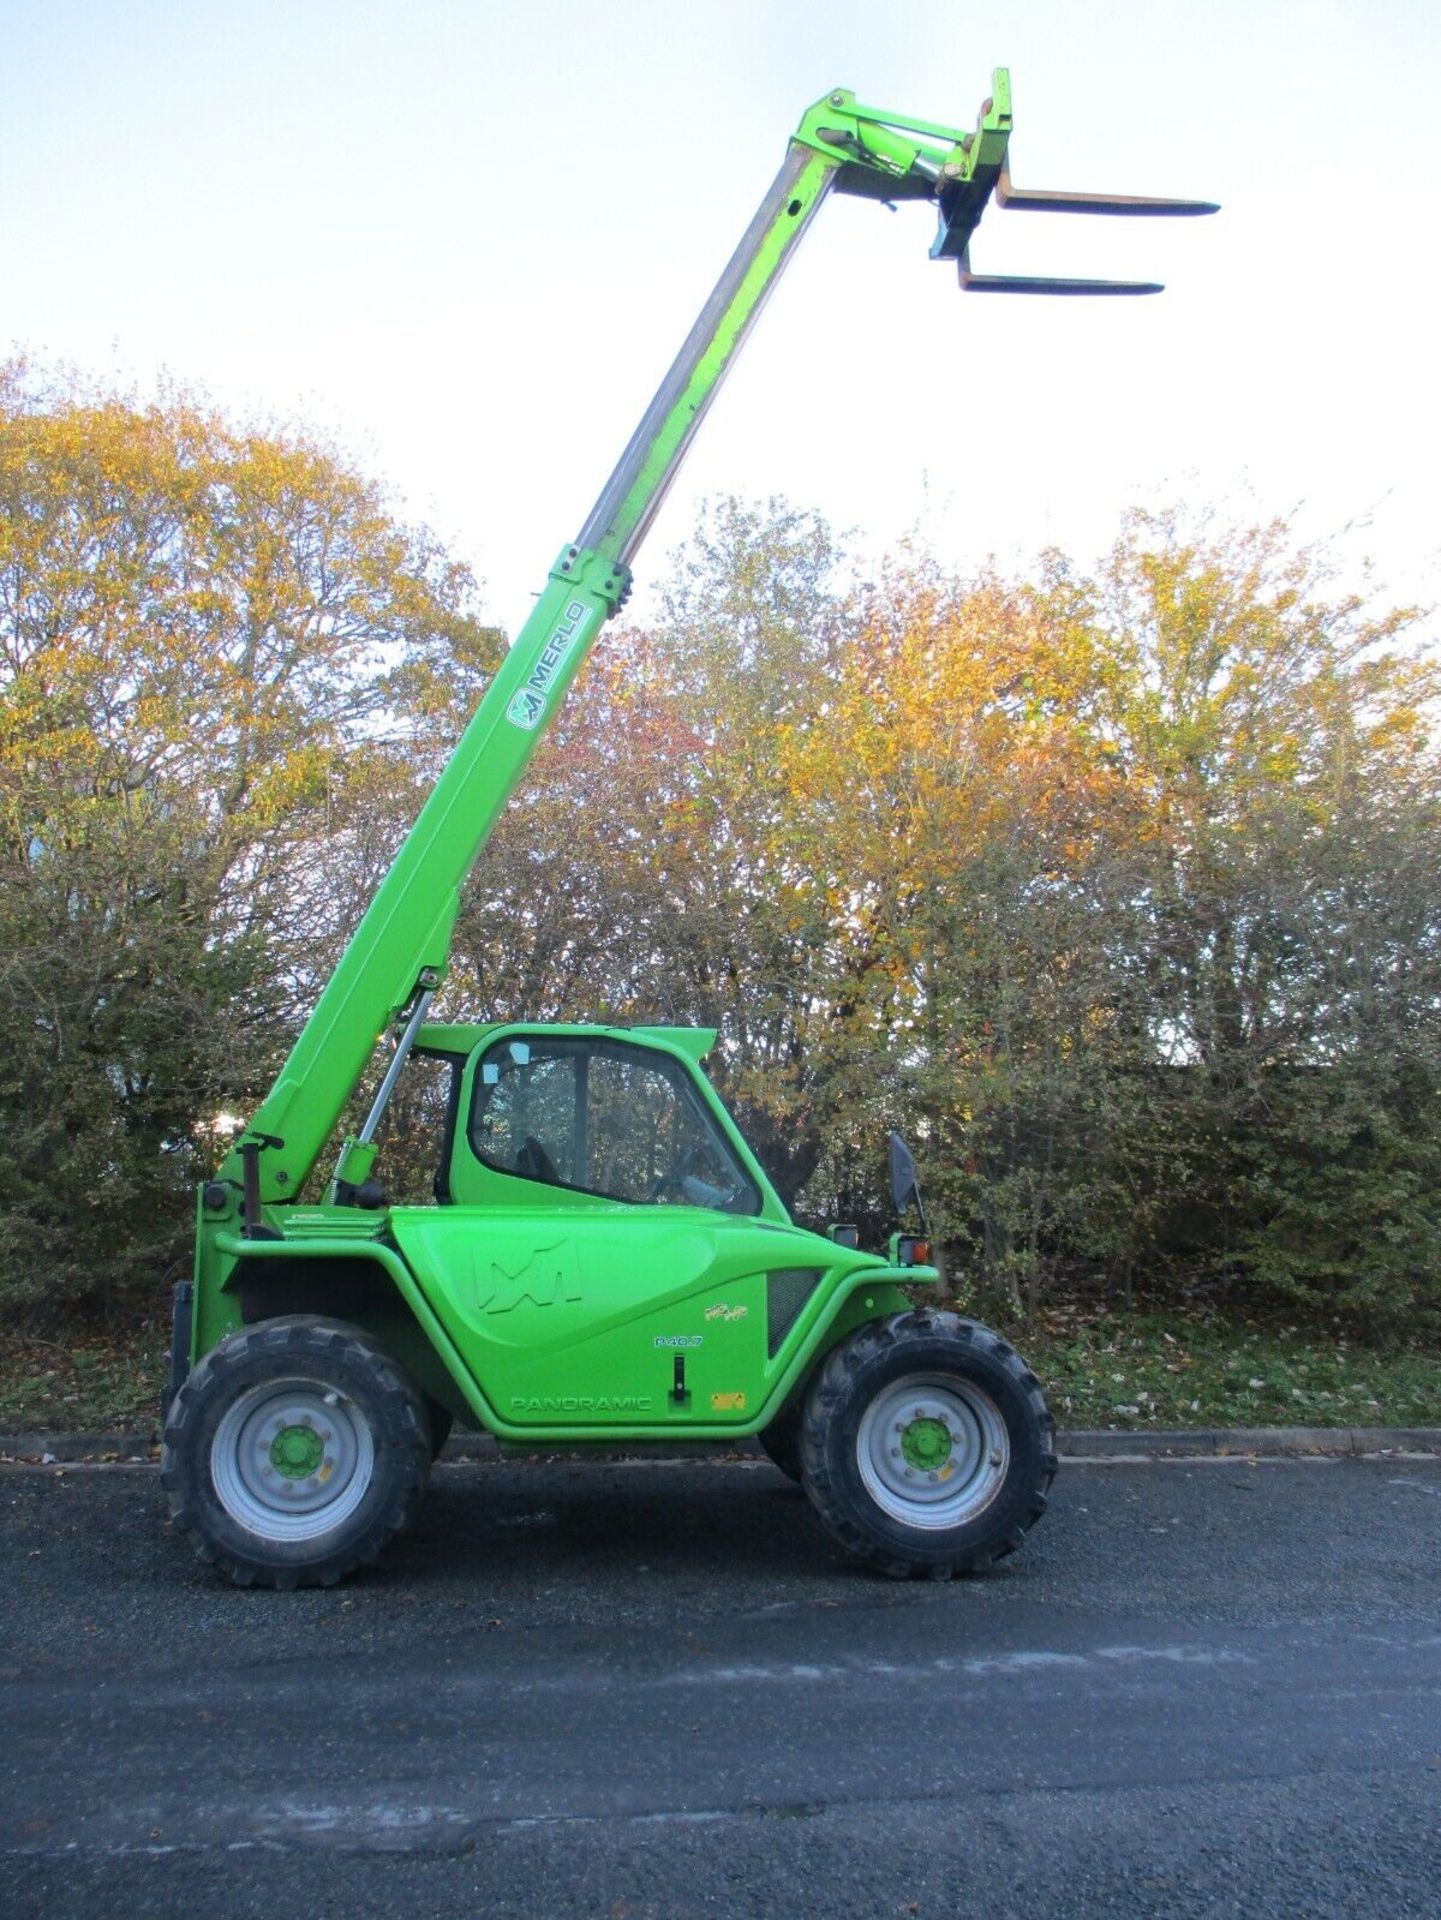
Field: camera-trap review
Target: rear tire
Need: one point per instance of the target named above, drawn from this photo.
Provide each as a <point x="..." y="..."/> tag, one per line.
<point x="926" y="1446"/>
<point x="294" y="1451"/>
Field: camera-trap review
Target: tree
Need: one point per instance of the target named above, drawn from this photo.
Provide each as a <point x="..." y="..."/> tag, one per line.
<point x="1279" y="738"/>
<point x="1139" y="872"/>
<point x="659" y="866"/>
<point x="200" y="629"/>
<point x="1115" y="889"/>
<point x="983" y="845"/>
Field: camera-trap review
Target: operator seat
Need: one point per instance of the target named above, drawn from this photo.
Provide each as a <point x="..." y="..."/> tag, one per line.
<point x="535" y="1163"/>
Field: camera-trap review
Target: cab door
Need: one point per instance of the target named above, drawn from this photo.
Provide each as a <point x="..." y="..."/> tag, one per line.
<point x="603" y="1257"/>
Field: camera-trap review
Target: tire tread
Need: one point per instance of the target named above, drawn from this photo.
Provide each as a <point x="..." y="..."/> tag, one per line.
<point x="402" y="1408"/>
<point x="828" y="1398"/>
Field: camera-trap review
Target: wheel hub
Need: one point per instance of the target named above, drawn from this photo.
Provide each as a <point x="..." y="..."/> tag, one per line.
<point x="933" y="1450"/>
<point x="297" y="1452"/>
<point x="291" y="1459"/>
<point x="926" y="1444"/>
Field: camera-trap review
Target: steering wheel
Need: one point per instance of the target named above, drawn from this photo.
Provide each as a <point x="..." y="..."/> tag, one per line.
<point x="534" y="1163"/>
<point x="672" y="1175"/>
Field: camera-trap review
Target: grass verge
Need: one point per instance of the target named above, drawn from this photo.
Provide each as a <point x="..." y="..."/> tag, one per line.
<point x="1147" y="1370"/>
<point x="94" y="1385"/>
<point x="1165" y="1371"/>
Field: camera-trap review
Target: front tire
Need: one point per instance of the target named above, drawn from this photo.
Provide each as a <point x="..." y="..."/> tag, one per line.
<point x="294" y="1451"/>
<point x="926" y="1446"/>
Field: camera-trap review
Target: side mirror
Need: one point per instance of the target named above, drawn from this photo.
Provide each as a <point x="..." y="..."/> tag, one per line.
<point x="904" y="1185"/>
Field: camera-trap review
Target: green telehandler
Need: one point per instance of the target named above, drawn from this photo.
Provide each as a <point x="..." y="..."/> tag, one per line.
<point x="605" y="1260"/>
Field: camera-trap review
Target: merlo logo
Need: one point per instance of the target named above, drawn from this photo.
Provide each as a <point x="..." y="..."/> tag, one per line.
<point x="545" y="1278"/>
<point x="525" y="709"/>
<point x="528" y="705"/>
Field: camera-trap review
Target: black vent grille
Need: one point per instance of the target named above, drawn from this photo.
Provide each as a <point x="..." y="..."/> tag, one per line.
<point x="787" y="1291"/>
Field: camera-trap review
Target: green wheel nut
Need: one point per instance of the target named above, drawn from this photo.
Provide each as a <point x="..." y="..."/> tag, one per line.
<point x="296" y="1452"/>
<point x="926" y="1443"/>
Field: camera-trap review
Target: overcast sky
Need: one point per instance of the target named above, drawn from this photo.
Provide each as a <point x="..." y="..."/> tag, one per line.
<point x="464" y="237"/>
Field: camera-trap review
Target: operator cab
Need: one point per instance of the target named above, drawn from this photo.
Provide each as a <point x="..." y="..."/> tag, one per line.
<point x="591" y="1115"/>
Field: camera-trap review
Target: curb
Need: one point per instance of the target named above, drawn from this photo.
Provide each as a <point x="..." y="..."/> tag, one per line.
<point x="1103" y="1444"/>
<point x="123" y="1449"/>
<point x="1212" y="1443"/>
<point x="1220" y="1443"/>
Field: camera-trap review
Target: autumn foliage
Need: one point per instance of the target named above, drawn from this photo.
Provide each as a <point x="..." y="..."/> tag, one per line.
<point x="1115" y="890"/>
<point x="201" y="631"/>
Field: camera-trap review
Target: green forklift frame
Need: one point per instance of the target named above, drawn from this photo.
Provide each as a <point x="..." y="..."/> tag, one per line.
<point x="250" y="1215"/>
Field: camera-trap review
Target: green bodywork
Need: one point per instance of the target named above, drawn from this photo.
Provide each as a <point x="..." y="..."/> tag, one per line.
<point x="554" y="1324"/>
<point x="539" y="1311"/>
<point x="534" y="1309"/>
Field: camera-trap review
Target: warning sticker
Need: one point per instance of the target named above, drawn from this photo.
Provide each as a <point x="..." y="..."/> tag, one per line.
<point x="727" y="1403"/>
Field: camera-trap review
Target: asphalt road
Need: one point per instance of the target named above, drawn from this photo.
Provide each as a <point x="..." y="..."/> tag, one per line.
<point x="1203" y="1688"/>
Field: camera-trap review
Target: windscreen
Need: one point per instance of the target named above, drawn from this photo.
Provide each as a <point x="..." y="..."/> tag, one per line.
<point x="606" y="1118"/>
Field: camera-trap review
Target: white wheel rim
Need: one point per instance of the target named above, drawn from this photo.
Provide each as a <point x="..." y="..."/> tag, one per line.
<point x="291" y="1459"/>
<point x="933" y="1451"/>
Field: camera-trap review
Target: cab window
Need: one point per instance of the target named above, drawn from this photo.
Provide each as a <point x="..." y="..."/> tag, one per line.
<point x="604" y="1118"/>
